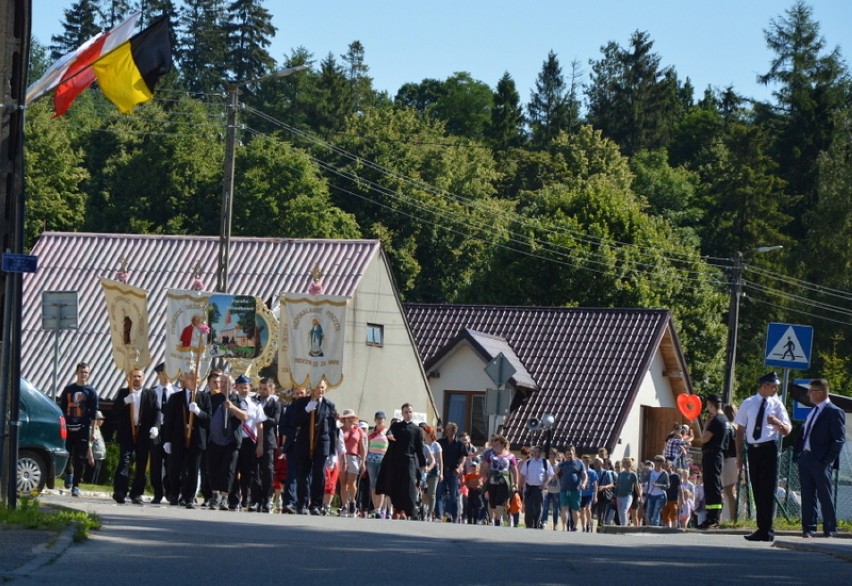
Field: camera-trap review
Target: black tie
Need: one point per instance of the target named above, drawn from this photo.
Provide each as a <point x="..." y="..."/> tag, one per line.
<point x="758" y="423"/>
<point x="163" y="406"/>
<point x="809" y="425"/>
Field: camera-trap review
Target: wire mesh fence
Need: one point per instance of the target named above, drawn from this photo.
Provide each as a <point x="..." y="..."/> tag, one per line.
<point x="788" y="493"/>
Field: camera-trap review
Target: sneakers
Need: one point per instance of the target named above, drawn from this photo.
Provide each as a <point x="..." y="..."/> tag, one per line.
<point x="75" y="491"/>
<point x="708" y="525"/>
<point x="137" y="500"/>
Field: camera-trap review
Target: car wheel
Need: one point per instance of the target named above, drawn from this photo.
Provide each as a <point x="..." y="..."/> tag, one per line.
<point x="32" y="472"/>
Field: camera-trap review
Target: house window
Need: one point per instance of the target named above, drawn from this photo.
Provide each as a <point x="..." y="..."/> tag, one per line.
<point x="467" y="409"/>
<point x="375" y="335"/>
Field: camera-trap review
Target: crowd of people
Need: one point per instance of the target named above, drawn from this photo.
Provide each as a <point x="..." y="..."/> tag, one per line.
<point x="234" y="448"/>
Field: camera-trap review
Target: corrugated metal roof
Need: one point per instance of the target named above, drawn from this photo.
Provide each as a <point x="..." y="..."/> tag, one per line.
<point x="588" y="363"/>
<point x="74" y="261"/>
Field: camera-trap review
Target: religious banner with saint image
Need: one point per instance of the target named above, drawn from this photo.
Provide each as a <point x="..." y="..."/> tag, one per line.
<point x="311" y="339"/>
<point x="127" y="308"/>
<point x="187" y="332"/>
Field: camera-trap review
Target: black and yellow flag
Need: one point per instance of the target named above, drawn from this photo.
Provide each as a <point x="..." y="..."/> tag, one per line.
<point x="128" y="74"/>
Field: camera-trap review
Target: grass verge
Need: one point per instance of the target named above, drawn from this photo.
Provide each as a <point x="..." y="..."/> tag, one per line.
<point x="30" y="515"/>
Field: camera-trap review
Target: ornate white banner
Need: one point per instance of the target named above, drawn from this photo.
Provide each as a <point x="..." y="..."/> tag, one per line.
<point x="187" y="332"/>
<point x="311" y="339"/>
<point x="127" y="307"/>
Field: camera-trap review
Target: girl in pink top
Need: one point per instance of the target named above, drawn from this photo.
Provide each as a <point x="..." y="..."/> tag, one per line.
<point x="352" y="464"/>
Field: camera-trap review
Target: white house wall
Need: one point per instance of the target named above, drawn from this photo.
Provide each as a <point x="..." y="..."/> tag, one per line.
<point x="380" y="378"/>
<point x="462" y="370"/>
<point x="654" y="391"/>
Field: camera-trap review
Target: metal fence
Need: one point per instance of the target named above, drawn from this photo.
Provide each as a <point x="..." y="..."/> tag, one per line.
<point x="788" y="499"/>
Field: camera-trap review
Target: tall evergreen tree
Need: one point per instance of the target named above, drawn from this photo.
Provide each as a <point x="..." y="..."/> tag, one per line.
<point x="356" y="71"/>
<point x="812" y="86"/>
<point x="153" y="9"/>
<point x="506" y="128"/>
<point x="114" y="12"/>
<point x="202" y="45"/>
<point x="249" y="31"/>
<point x="331" y="102"/>
<point x="79" y="25"/>
<point x="631" y="98"/>
<point x="548" y="111"/>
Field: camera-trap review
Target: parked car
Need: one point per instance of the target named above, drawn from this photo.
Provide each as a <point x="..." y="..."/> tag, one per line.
<point x="41" y="443"/>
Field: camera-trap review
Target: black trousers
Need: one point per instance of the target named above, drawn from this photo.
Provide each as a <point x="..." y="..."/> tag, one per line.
<point x="77" y="444"/>
<point x="158" y="475"/>
<point x="139" y="454"/>
<point x="763" y="473"/>
<point x="533" y="499"/>
<point x="221" y="463"/>
<point x="261" y="486"/>
<point x="312" y="473"/>
<point x="241" y="492"/>
<point x="711" y="469"/>
<point x="295" y="487"/>
<point x="183" y="472"/>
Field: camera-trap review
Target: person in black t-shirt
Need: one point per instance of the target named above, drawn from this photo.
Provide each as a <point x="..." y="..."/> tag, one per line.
<point x="79" y="404"/>
<point x="714" y="442"/>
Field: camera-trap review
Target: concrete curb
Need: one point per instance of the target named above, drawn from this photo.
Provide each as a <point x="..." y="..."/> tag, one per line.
<point x="825" y="546"/>
<point x="45" y="553"/>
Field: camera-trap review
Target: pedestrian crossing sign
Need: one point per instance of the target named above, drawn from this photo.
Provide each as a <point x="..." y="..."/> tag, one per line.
<point x="788" y="345"/>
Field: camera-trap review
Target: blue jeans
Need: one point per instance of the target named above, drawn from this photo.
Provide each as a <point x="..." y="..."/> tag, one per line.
<point x="653" y="507"/>
<point x="448" y="489"/>
<point x="551" y="499"/>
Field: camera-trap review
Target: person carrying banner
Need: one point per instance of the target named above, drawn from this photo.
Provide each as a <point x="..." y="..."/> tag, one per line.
<point x="223" y="446"/>
<point x="316" y="441"/>
<point x="269" y="405"/>
<point x="185" y="429"/>
<point x="251" y="447"/>
<point x="136" y="413"/>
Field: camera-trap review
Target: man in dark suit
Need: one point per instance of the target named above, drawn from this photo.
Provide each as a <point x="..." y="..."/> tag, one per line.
<point x="136" y="413"/>
<point x="262" y="482"/>
<point x="159" y="461"/>
<point x="316" y="441"/>
<point x="185" y="428"/>
<point x="818" y="448"/>
<point x="295" y="486"/>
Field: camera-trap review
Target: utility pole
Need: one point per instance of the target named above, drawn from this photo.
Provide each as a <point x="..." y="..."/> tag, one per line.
<point x="734" y="315"/>
<point x="15" y="23"/>
<point x="223" y="264"/>
<point x="733" y="325"/>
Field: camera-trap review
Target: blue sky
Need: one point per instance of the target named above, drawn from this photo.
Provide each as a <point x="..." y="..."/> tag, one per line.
<point x="718" y="42"/>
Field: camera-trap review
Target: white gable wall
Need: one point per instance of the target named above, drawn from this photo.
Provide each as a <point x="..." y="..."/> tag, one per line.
<point x="461" y="370"/>
<point x="654" y="391"/>
<point x="380" y="378"/>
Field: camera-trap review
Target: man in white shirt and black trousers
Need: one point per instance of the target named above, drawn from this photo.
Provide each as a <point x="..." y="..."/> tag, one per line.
<point x="762" y="421"/>
<point x="535" y="472"/>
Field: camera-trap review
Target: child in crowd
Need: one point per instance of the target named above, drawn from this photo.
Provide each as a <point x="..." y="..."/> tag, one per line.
<point x="515" y="507"/>
<point x="475" y="503"/>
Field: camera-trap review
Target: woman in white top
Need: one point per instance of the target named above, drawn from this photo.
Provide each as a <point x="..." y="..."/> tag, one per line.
<point x="433" y="451"/>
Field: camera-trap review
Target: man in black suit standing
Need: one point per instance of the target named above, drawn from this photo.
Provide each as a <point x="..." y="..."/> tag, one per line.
<point x="262" y="483"/>
<point x="818" y="449"/>
<point x="136" y="412"/>
<point x="295" y="486"/>
<point x="316" y="441"/>
<point x="159" y="461"/>
<point x="185" y="429"/>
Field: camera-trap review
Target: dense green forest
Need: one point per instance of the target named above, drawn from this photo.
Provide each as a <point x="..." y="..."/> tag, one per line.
<point x="625" y="187"/>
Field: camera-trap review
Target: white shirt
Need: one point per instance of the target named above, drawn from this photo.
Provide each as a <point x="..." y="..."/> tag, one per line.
<point x="536" y="471"/>
<point x="136" y="395"/>
<point x="747" y="416"/>
<point x="255" y="414"/>
<point x="810" y="421"/>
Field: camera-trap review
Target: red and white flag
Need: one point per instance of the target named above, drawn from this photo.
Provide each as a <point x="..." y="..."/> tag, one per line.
<point x="73" y="73"/>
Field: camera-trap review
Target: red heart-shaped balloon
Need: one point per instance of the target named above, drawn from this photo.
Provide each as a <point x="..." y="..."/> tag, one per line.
<point x="689" y="405"/>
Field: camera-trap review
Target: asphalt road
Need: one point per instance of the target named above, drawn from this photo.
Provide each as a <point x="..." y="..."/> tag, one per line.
<point x="170" y="545"/>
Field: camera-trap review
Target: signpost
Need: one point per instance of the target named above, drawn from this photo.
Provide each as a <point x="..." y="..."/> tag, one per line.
<point x="500" y="370"/>
<point x="788" y="346"/>
<point x="58" y="312"/>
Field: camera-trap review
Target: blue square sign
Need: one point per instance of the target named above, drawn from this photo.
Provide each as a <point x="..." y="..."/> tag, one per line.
<point x="789" y="345"/>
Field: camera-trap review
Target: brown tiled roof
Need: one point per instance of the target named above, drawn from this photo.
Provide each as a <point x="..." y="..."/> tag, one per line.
<point x="74" y="261"/>
<point x="588" y="363"/>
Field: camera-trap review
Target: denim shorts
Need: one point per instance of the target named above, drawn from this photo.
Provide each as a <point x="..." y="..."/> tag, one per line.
<point x="373" y="472"/>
